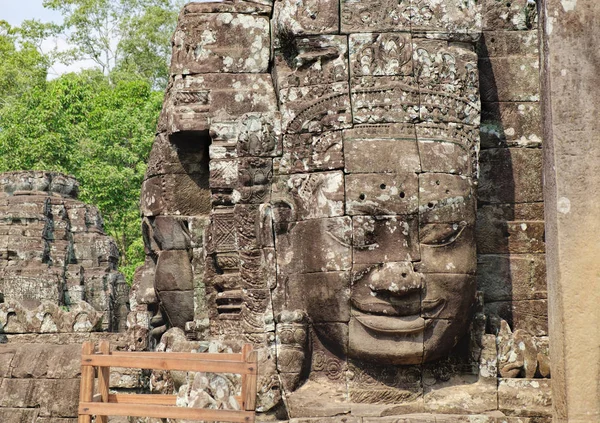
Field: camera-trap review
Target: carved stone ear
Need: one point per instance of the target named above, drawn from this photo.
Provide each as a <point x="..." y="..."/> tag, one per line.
<point x="292" y="335"/>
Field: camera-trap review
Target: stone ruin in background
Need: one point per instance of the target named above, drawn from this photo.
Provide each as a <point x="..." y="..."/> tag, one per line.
<point x="58" y="269"/>
<point x="59" y="286"/>
<point x="354" y="187"/>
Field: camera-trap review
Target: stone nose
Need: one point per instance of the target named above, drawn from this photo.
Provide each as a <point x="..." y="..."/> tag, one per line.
<point x="396" y="279"/>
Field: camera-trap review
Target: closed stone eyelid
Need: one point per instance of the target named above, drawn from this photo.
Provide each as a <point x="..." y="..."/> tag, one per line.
<point x="450" y="239"/>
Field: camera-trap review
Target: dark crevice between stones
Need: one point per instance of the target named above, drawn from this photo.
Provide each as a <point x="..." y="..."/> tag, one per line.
<point x="287" y="45"/>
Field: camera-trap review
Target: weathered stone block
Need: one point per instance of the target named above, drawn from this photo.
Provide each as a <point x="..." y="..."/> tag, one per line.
<point x="222" y="231"/>
<point x="445" y="198"/>
<point x="524" y="397"/>
<point x="512" y="78"/>
<point x="511" y="277"/>
<point x="258" y="269"/>
<point x="382" y="239"/>
<point x="316" y="245"/>
<point x="18" y="415"/>
<point x="378" y="390"/>
<point x="254" y="7"/>
<point x="510" y="124"/>
<point x="315" y="108"/>
<point x="126" y="378"/>
<point x="6" y="356"/>
<point x="410" y="418"/>
<point x="380" y="54"/>
<point x="310" y="196"/>
<point x="178" y="305"/>
<point x="44" y="361"/>
<point x="380" y="155"/>
<point x="433" y="60"/>
<point x="460" y="397"/>
<point x="324" y="295"/>
<point x="381" y="193"/>
<point x="313" y="60"/>
<point x="510" y="175"/>
<point x="171" y="233"/>
<point x="372" y="15"/>
<point x="173" y="271"/>
<point x="25" y="284"/>
<point x="528" y="315"/>
<point x="501" y="43"/>
<point x="180" y="194"/>
<point x="310" y="152"/>
<point x="259" y="135"/>
<point x="446" y="148"/>
<point x="315" y="399"/>
<point x="32" y="393"/>
<point x="500" y="230"/>
<point x="441" y="104"/>
<point x="193" y="100"/>
<point x="197" y="228"/>
<point x="450" y="18"/>
<point x="307" y="17"/>
<point x="512" y="15"/>
<point x="224" y="174"/>
<point x="447" y="248"/>
<point x="221" y="42"/>
<point x="174" y="154"/>
<point x="384" y="99"/>
<point x="142" y="290"/>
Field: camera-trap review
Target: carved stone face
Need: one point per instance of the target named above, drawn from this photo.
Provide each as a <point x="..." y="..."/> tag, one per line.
<point x="398" y="266"/>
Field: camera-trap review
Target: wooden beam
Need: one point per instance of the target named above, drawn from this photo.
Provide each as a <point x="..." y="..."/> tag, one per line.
<point x="87" y="381"/>
<point x="249" y="382"/>
<point x="179" y="355"/>
<point x="156" y="399"/>
<point x="166" y="363"/>
<point x="103" y="379"/>
<point x="164" y="412"/>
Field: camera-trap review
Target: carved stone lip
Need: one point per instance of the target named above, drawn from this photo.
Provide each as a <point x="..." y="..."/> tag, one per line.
<point x="400" y="325"/>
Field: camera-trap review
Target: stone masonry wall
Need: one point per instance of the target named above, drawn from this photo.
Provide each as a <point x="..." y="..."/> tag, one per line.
<point x="59" y="287"/>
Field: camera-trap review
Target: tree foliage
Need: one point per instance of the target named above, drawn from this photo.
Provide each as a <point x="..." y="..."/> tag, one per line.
<point x="21" y="64"/>
<point x="132" y="36"/>
<point x="97" y="125"/>
<point x="100" y="133"/>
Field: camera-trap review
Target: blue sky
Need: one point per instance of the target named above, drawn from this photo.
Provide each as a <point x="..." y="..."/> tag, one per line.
<point x="16" y="11"/>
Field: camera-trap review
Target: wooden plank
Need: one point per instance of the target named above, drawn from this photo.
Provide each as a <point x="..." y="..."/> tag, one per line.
<point x="156" y="399"/>
<point x="180" y="355"/>
<point x="165" y="412"/>
<point x="87" y="382"/>
<point x="249" y="382"/>
<point x="165" y="363"/>
<point x="103" y="379"/>
<point x="246" y="348"/>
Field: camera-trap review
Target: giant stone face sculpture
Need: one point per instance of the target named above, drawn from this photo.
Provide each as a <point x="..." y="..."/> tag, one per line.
<point x="325" y="161"/>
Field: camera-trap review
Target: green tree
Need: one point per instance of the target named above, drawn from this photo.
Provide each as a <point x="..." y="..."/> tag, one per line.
<point x="131" y="36"/>
<point x="22" y="66"/>
<point x="97" y="131"/>
<point x="97" y="125"/>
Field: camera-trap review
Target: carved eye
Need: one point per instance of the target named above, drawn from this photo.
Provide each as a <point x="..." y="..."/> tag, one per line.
<point x="441" y="234"/>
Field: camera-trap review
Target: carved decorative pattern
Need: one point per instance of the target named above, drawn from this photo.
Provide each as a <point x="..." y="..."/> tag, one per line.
<point x="381" y="54"/>
<point x="224" y="233"/>
<point x="191" y="97"/>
